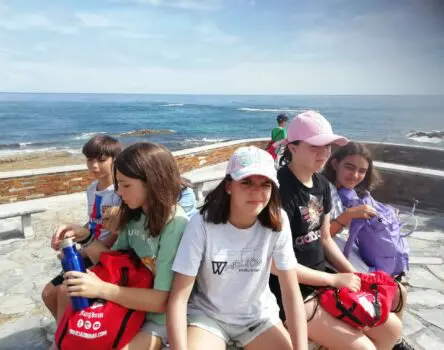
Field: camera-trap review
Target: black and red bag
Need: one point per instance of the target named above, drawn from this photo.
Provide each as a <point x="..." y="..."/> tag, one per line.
<point x="367" y="308"/>
<point x="106" y="325"/>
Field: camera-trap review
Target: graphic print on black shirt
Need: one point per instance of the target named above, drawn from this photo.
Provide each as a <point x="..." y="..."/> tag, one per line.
<point x="306" y="208"/>
<point x="312" y="213"/>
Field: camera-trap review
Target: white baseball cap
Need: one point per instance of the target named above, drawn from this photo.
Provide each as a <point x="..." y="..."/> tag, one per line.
<point x="251" y="160"/>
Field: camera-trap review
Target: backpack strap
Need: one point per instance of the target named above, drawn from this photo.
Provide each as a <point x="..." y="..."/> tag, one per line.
<point x="353" y="232"/>
<point x="347" y="312"/>
<point x="411" y="216"/>
<point x="376" y="303"/>
<point x="124" y="276"/>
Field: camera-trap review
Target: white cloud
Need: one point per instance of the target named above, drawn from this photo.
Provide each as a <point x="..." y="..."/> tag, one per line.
<point x="95" y="20"/>
<point x="27" y="21"/>
<point x="130" y="34"/>
<point x="123" y="24"/>
<point x="184" y="4"/>
<point x="3" y="8"/>
<point x="210" y="33"/>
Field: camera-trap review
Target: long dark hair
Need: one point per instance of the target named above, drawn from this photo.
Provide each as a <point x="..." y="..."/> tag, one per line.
<point x="371" y="178"/>
<point x="156" y="167"/>
<point x="286" y="156"/>
<point x="216" y="207"/>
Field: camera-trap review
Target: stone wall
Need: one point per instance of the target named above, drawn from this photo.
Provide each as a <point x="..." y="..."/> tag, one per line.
<point x="403" y="187"/>
<point x="25" y="185"/>
<point x="427" y="157"/>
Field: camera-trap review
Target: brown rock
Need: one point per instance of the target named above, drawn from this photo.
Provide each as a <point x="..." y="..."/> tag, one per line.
<point x="144" y="132"/>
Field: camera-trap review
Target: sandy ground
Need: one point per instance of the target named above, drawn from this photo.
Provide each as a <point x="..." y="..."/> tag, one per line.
<point x="38" y="160"/>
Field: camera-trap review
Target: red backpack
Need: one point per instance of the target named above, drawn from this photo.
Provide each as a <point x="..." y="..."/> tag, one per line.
<point x="369" y="307"/>
<point x="106" y="325"/>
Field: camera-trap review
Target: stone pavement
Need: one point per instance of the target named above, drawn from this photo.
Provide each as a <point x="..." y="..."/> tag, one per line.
<point x="27" y="265"/>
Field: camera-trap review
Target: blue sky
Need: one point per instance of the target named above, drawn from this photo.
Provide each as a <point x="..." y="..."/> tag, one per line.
<point x="223" y="46"/>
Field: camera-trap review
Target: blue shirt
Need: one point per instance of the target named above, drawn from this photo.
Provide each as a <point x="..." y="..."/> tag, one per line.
<point x="188" y="201"/>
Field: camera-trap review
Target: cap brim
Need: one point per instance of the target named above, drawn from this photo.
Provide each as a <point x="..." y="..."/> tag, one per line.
<point x="251" y="171"/>
<point x="326" y="139"/>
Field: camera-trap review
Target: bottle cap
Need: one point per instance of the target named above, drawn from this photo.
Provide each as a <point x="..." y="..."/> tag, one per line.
<point x="67" y="242"/>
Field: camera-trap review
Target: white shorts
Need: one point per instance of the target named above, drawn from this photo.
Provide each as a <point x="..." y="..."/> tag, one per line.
<point x="156" y="330"/>
<point x="232" y="334"/>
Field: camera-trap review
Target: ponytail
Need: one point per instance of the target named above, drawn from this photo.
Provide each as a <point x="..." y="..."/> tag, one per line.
<point x="286" y="157"/>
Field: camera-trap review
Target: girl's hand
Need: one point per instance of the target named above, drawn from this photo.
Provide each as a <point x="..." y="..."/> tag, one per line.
<point x="347" y="280"/>
<point x="81" y="284"/>
<point x="361" y="212"/>
<point x="75" y="232"/>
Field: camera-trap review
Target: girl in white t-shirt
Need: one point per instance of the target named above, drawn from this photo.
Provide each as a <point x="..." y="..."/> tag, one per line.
<point x="227" y="250"/>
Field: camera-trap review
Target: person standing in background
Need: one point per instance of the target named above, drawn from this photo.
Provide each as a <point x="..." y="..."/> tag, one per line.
<point x="278" y="133"/>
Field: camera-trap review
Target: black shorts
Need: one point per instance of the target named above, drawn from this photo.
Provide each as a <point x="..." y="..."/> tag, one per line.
<point x="58" y="280"/>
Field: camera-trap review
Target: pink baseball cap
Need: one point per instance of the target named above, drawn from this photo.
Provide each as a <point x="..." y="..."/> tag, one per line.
<point x="313" y="128"/>
<point x="248" y="161"/>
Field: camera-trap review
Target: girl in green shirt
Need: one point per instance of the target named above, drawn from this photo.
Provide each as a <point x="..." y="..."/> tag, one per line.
<point x="149" y="222"/>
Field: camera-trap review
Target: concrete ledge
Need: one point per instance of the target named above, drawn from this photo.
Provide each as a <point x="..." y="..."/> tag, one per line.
<point x="417" y="156"/>
<point x="24" y="185"/>
<point x="403" y="184"/>
<point x="82" y="167"/>
<point x="409" y="169"/>
<point x="217" y="145"/>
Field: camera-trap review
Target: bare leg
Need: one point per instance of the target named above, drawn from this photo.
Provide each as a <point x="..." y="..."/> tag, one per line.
<point x="199" y="339"/>
<point x="334" y="334"/>
<point x="386" y="335"/>
<point x="144" y="341"/>
<point x="49" y="297"/>
<point x="275" y="337"/>
<point x="63" y="301"/>
<point x="400" y="302"/>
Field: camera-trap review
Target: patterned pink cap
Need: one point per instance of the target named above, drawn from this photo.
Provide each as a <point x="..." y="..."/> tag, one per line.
<point x="313" y="128"/>
<point x="248" y="161"/>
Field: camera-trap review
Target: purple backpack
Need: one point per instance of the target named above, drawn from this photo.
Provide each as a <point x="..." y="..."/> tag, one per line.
<point x="381" y="244"/>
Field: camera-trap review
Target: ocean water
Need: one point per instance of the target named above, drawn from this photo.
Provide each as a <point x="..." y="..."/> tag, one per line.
<point x="45" y="122"/>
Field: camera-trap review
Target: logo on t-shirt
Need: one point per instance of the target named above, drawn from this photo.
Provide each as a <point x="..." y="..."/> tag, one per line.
<point x="218" y="267"/>
<point x="312" y="213"/>
<point x="245" y="260"/>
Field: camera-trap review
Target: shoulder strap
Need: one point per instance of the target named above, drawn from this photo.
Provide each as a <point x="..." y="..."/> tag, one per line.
<point x="353" y="232"/>
<point x="411" y="216"/>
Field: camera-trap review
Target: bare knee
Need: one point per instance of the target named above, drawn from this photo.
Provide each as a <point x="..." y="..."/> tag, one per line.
<point x="62" y="291"/>
<point x="386" y="335"/>
<point x="49" y="293"/>
<point x="334" y="334"/>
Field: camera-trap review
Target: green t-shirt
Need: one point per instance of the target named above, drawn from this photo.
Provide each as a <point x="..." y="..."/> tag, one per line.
<point x="156" y="252"/>
<point x="278" y="134"/>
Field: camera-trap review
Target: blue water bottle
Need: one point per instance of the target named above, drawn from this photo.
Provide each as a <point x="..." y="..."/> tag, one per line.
<point x="73" y="261"/>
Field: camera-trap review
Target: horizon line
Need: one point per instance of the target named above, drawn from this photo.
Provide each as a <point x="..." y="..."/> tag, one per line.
<point x="200" y="94"/>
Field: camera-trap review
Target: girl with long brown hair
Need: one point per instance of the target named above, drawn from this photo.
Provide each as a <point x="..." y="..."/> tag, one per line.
<point x="150" y="223"/>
